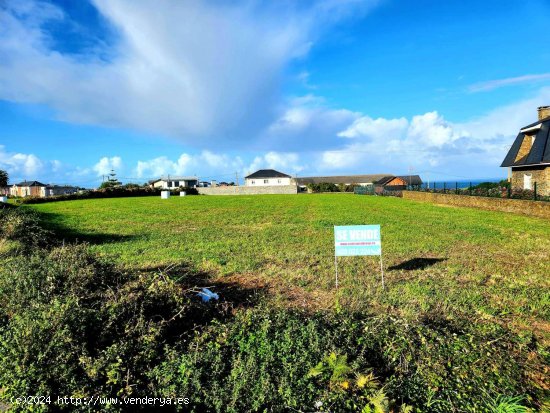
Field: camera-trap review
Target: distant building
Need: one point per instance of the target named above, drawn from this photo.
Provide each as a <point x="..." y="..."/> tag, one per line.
<point x="38" y="189"/>
<point x="363" y="180"/>
<point x="175" y="182"/>
<point x="529" y="156"/>
<point x="52" y="190"/>
<point x="398" y="183"/>
<point x="27" y="188"/>
<point x="267" y="177"/>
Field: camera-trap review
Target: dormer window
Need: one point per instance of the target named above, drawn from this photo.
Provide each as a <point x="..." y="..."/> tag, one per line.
<point x="526" y="145"/>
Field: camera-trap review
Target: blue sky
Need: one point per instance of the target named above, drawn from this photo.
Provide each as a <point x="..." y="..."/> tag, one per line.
<point x="314" y="87"/>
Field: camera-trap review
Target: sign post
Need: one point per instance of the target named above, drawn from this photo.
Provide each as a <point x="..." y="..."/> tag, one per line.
<point x="357" y="240"/>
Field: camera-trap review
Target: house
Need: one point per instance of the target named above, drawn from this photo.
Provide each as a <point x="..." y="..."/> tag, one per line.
<point x="529" y="156"/>
<point x="363" y="180"/>
<point x="28" y="188"/>
<point x="170" y="182"/>
<point x="267" y="177"/>
<point x="38" y="189"/>
<point x="53" y="190"/>
<point x="398" y="183"/>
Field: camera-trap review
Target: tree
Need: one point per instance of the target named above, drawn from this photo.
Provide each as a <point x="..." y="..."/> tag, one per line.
<point x="111" y="181"/>
<point x="4" y="178"/>
<point x="109" y="184"/>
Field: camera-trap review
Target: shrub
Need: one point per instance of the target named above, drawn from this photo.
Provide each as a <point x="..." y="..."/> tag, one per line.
<point x="71" y="325"/>
<point x="279" y="361"/>
<point x="322" y="187"/>
<point x="109" y="192"/>
<point x="23" y="227"/>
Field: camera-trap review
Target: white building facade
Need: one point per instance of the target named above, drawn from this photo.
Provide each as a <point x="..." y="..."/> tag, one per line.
<point x="268" y="177"/>
<point x="172" y="182"/>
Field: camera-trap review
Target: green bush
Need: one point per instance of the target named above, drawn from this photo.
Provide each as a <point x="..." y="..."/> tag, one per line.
<point x="71" y="325"/>
<point x="279" y="361"/>
<point x="23" y="227"/>
<point x="323" y="187"/>
<point x="108" y="192"/>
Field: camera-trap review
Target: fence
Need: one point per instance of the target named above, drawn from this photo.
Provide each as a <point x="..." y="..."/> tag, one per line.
<point x="496" y="191"/>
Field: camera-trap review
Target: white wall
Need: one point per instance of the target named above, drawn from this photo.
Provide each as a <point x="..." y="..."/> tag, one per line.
<point x="267" y="181"/>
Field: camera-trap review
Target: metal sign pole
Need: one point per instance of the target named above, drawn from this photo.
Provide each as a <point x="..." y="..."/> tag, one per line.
<point x="336" y="267"/>
<point x="382" y="271"/>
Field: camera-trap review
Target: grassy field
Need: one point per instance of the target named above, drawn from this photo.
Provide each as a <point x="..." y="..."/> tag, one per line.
<point x="490" y="265"/>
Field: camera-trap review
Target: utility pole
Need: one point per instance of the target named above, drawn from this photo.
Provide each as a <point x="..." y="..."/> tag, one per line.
<point x="237" y="178"/>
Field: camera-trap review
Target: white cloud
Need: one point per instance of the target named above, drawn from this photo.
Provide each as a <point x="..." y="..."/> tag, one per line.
<point x="106" y="164"/>
<point x="205" y="164"/>
<point x="365" y="126"/>
<point x="498" y="83"/>
<point x="204" y="72"/>
<point x="431" y="130"/>
<point x="286" y="162"/>
<point x="307" y="123"/>
<point x="430" y="142"/>
<point x="23" y="166"/>
<point x="209" y="165"/>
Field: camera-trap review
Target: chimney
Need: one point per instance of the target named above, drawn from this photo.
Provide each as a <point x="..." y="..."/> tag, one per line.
<point x="544" y="112"/>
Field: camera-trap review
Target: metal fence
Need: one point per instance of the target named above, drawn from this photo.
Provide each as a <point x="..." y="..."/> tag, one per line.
<point x="480" y="190"/>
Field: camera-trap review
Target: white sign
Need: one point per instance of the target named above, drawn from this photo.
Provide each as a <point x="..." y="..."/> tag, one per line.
<point x="357" y="240"/>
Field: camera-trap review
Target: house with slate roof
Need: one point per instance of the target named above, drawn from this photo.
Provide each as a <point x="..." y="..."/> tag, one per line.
<point x="38" y="189"/>
<point x="27" y="188"/>
<point x="267" y="177"/>
<point x="529" y="156"/>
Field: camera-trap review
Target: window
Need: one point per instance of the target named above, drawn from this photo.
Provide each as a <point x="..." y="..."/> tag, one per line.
<point x="169" y="184"/>
<point x="527" y="181"/>
<point x="252" y="182"/>
<point x="266" y="181"/>
<point x="279" y="181"/>
<point x="176" y="183"/>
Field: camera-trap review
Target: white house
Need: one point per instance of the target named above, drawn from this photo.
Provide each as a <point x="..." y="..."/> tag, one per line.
<point x="267" y="177"/>
<point x="175" y="182"/>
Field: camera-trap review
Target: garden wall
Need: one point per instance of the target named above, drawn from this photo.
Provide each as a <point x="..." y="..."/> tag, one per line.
<point x="519" y="206"/>
<point x="249" y="190"/>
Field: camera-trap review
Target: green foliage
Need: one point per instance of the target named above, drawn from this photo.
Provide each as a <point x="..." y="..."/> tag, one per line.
<point x="74" y="326"/>
<point x="347" y="188"/>
<point x="270" y="360"/>
<point x="108" y="191"/>
<point x="323" y="187"/>
<point x="24" y="228"/>
<point x="4" y="178"/>
<point x="487" y="185"/>
<point x="507" y="404"/>
<point x="333" y="367"/>
<point x="441" y="347"/>
<point x="110" y="184"/>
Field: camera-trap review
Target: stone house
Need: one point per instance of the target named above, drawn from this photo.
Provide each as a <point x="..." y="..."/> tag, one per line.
<point x="529" y="156"/>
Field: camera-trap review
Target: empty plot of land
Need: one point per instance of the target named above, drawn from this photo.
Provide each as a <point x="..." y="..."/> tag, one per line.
<point x="490" y="265"/>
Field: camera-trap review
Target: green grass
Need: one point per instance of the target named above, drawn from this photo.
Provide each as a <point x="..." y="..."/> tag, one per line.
<point x="493" y="266"/>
